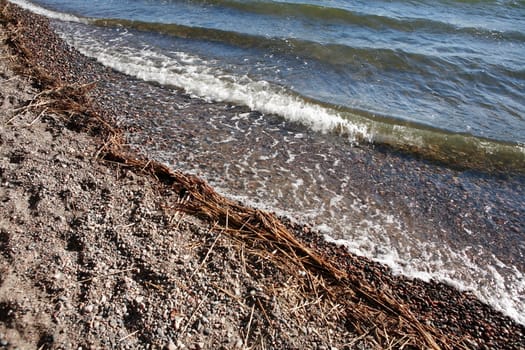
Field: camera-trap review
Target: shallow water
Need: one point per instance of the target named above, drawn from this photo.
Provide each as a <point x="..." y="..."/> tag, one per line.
<point x="404" y="76"/>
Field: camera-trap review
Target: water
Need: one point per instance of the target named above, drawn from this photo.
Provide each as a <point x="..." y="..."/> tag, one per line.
<point x="443" y="79"/>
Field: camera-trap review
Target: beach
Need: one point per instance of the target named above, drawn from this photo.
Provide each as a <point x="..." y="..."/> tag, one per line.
<point x="102" y="247"/>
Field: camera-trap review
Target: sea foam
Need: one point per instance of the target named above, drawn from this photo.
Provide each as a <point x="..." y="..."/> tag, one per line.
<point x="49" y="13"/>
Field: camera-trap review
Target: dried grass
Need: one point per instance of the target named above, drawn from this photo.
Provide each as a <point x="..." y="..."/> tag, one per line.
<point x="371" y="312"/>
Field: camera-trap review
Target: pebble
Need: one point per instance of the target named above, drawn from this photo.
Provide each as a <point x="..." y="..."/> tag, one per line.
<point x="177" y="322"/>
<point x="160" y="332"/>
<point x="238" y="344"/>
<point x="89" y="308"/>
<point x="171" y="346"/>
<point x="197" y="326"/>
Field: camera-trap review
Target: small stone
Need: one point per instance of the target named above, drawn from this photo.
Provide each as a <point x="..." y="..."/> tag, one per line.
<point x="160" y="332"/>
<point x="89" y="308"/>
<point x="197" y="326"/>
<point x="177" y="322"/>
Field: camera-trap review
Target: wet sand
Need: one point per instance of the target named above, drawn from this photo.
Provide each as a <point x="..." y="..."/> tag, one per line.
<point x="149" y="292"/>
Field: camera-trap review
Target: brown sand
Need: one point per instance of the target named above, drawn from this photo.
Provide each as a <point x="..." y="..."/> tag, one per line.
<point x="100" y="248"/>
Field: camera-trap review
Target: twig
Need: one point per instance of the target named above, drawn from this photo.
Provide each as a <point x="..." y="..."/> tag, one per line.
<point x="406" y="340"/>
<point x="38" y="117"/>
<point x="13" y="118"/>
<point x="355" y="340"/>
<point x="249" y="326"/>
<point x="308" y="303"/>
<point x="106" y="275"/>
<point x="104" y="146"/>
<point x="264" y="312"/>
<point x="156" y="286"/>
<point x="231" y="295"/>
<point x="12" y="78"/>
<point x="191" y="316"/>
<point x="207" y="255"/>
<point x="147" y="163"/>
<point x="128" y="336"/>
<point x="31" y="105"/>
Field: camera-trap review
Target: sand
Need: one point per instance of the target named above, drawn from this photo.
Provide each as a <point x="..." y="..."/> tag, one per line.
<point x="101" y="247"/>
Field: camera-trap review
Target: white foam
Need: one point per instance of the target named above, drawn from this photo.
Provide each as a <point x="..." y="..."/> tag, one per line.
<point x="199" y="79"/>
<point x="49" y="13"/>
<point x="504" y="291"/>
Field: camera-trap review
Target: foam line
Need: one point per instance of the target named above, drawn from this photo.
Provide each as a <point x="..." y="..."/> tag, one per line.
<point x="49" y="13"/>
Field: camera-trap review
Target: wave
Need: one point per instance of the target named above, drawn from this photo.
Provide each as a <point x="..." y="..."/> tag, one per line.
<point x="332" y="54"/>
<point x="507" y="3"/>
<point x="380" y="58"/>
<point x="335" y="15"/>
<point x="329" y="53"/>
<point x="329" y="15"/>
<point x="503" y="289"/>
<point x="457" y="149"/>
<point x="200" y="79"/>
<point x="50" y="13"/>
<point x="336" y="56"/>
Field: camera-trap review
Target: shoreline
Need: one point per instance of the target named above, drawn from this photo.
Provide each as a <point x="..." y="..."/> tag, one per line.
<point x="139" y="279"/>
<point x="457" y="150"/>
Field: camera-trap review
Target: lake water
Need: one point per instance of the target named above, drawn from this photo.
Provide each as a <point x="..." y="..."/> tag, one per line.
<point x="442" y="79"/>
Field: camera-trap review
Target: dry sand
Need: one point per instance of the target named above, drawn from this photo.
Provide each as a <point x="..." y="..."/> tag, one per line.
<point x="101" y="248"/>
